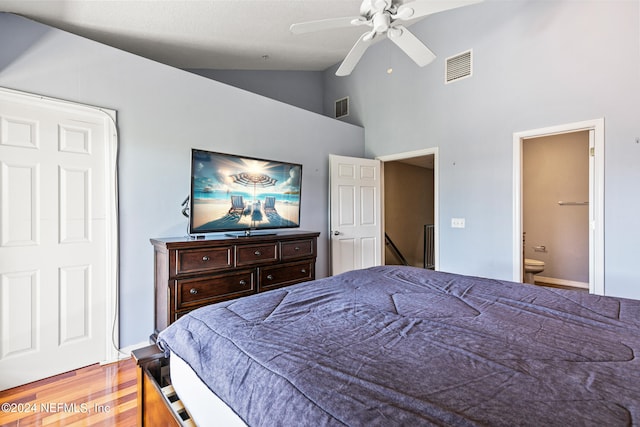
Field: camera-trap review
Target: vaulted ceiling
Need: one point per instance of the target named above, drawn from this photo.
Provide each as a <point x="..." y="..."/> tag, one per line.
<point x="215" y="34"/>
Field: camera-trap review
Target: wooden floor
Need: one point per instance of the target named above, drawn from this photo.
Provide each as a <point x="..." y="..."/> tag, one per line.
<point x="92" y="396"/>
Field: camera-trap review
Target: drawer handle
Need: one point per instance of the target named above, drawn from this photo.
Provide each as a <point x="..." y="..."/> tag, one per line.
<point x="205" y="258"/>
<point x="304" y="270"/>
<point x="257" y="253"/>
<point x="269" y="277"/>
<point x="193" y="291"/>
<point x="297" y="248"/>
<point x="243" y="282"/>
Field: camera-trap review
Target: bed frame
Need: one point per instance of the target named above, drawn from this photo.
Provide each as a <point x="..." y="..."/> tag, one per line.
<point x="158" y="404"/>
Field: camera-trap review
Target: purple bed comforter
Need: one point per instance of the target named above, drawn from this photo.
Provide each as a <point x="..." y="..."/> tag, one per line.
<point x="404" y="346"/>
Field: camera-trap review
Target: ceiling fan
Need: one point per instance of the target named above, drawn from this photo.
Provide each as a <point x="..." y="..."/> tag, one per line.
<point x="384" y="17"/>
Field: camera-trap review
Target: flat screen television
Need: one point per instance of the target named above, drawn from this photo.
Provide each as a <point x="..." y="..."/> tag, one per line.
<point x="241" y="194"/>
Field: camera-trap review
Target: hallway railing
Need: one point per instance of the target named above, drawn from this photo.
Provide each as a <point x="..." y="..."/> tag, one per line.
<point x="395" y="250"/>
<point x="429" y="247"/>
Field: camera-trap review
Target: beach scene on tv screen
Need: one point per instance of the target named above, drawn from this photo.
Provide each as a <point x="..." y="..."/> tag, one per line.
<point x="232" y="192"/>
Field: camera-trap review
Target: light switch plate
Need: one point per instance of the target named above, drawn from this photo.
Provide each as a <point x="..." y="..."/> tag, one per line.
<point x="457" y="222"/>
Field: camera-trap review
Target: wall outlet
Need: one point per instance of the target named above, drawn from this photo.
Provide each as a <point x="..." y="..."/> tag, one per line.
<point x="457" y="222"/>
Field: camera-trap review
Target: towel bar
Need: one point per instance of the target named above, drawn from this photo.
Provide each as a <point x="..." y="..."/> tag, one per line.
<point x="561" y="203"/>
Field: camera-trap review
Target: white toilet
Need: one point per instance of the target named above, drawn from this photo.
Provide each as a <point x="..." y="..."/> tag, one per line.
<point x="531" y="268"/>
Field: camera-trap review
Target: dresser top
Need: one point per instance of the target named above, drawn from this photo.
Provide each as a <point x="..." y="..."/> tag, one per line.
<point x="221" y="239"/>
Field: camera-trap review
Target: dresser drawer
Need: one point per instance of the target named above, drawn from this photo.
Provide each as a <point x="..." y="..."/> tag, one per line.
<point x="200" y="260"/>
<point x="286" y="274"/>
<point x="191" y="273"/>
<point x="296" y="249"/>
<point x="256" y="254"/>
<point x="206" y="290"/>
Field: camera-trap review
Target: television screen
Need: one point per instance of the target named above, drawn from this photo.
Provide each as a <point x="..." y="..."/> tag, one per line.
<point x="231" y="192"/>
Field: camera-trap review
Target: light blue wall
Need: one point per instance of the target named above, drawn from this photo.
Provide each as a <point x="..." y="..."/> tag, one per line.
<point x="535" y="64"/>
<point x="162" y="113"/>
<point x="302" y="89"/>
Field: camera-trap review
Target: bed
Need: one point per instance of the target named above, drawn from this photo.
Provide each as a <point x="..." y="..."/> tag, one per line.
<point x="406" y="346"/>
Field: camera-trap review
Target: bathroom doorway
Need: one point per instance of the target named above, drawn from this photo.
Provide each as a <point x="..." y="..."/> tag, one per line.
<point x="555" y="208"/>
<point x="558" y="203"/>
<point x="409" y="193"/>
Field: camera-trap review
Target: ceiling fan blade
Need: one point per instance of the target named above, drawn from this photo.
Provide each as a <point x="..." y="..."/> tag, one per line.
<point x="323" y="24"/>
<point x="411" y="45"/>
<point x="419" y="8"/>
<point x="354" y="55"/>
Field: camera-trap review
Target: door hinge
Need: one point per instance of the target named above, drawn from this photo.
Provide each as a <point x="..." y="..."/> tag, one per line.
<point x="592" y="151"/>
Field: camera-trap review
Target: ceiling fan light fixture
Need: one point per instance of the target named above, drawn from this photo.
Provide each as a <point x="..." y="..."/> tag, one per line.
<point x="381" y="22"/>
<point x="381" y="4"/>
<point x="394" y="32"/>
<point x="404" y="14"/>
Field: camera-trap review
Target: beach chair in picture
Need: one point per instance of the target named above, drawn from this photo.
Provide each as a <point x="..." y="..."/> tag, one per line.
<point x="269" y="204"/>
<point x="237" y="204"/>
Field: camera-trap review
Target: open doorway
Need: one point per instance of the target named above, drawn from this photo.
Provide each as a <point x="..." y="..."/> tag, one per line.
<point x="595" y="203"/>
<point x="410" y="208"/>
<point x="555" y="209"/>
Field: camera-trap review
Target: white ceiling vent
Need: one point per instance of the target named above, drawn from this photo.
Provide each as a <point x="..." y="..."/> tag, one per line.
<point x="342" y="107"/>
<point x="458" y="67"/>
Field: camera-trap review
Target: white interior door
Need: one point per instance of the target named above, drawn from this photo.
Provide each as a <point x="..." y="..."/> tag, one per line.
<point x="355" y="229"/>
<point x="56" y="259"/>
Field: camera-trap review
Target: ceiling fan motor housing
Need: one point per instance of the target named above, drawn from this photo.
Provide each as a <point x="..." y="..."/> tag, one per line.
<point x="381" y="22"/>
<point x="369" y="7"/>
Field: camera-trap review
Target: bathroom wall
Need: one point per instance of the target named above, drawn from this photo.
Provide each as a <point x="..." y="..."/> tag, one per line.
<point x="556" y="168"/>
<point x="408" y="206"/>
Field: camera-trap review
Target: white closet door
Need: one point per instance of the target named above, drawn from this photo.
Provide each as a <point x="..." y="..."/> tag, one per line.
<point x="54" y="238"/>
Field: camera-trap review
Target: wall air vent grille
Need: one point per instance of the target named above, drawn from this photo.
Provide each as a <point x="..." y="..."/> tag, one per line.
<point x="342" y="107"/>
<point x="458" y="67"/>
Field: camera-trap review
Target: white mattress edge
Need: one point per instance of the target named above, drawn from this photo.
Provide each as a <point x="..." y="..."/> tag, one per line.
<point x="204" y="407"/>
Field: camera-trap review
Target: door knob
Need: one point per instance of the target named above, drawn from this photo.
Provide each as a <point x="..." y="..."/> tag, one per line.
<point x="336" y="233"/>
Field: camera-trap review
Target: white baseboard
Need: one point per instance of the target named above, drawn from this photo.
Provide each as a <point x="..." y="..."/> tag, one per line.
<point x="562" y="282"/>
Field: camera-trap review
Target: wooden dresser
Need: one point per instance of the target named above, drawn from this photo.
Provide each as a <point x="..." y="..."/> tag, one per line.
<point x="191" y="273"/>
